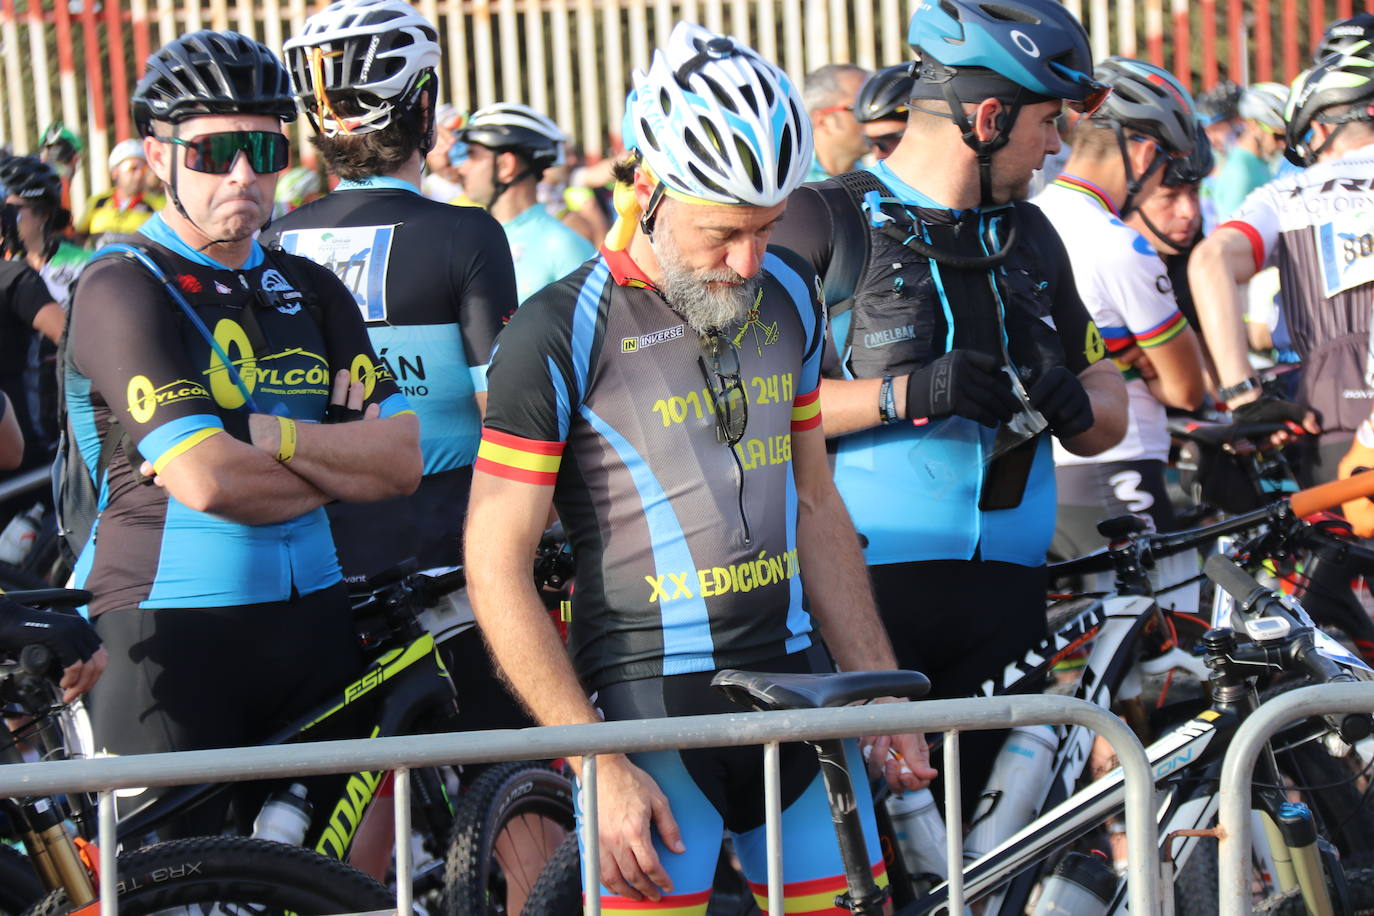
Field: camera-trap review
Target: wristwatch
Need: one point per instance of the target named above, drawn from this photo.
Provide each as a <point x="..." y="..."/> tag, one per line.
<point x="1234" y="391"/>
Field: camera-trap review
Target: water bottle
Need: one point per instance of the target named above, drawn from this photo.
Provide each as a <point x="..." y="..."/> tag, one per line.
<point x="17" y="539"/>
<point x="284" y="817"/>
<point x="1020" y="777"/>
<point x="920" y="833"/>
<point x="1082" y="885"/>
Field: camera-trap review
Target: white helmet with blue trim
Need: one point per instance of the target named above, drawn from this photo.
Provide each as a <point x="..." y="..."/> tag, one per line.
<point x="714" y="121"/>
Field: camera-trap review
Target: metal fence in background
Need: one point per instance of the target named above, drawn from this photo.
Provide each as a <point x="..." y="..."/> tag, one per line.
<point x="78" y="60"/>
<point x="104" y="775"/>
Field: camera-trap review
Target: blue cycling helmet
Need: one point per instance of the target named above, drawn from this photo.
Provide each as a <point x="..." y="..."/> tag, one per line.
<point x="1020" y="52"/>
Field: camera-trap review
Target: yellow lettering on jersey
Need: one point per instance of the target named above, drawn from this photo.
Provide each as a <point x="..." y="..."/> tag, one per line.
<point x="1094" y="347"/>
<point x="363" y="370"/>
<point x="142" y="399"/>
<point x="233" y="340"/>
<point x="760" y="572"/>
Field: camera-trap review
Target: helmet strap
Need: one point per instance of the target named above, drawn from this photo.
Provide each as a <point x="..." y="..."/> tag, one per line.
<point x="1160" y="236"/>
<point x="982" y="149"/>
<point x="1134" y="184"/>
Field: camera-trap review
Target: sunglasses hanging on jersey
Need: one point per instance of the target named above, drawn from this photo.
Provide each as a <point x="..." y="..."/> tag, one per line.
<point x="268" y="151"/>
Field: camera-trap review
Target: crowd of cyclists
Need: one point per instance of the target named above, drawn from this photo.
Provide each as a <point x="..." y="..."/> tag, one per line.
<point x="912" y="331"/>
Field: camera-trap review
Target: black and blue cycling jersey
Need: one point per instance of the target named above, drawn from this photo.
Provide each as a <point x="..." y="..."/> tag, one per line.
<point x="135" y="358"/>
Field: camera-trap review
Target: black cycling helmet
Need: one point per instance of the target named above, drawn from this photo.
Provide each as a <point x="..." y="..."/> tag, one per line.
<point x="885" y="94"/>
<point x="1341" y="80"/>
<point x="1339" y="36"/>
<point x="31" y="178"/>
<point x="207" y="73"/>
<point x="1195" y="167"/>
<point x="516" y="128"/>
<point x="1020" y="52"/>
<point x="1220" y="103"/>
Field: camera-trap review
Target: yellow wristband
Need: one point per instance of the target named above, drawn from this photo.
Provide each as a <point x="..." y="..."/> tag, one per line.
<point x="286" y="448"/>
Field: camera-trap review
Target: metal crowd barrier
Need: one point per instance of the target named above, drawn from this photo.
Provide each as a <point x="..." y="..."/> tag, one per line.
<point x="1238" y="770"/>
<point x="104" y="775"/>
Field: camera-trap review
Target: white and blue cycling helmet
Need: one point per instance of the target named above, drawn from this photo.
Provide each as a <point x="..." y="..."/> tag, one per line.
<point x="714" y="122"/>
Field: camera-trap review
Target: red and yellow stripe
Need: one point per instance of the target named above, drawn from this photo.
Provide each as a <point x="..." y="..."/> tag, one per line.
<point x="514" y="458"/>
<point x="812" y="898"/>
<point x="806" y="410"/>
<point x="675" y="905"/>
<point x="1163" y="332"/>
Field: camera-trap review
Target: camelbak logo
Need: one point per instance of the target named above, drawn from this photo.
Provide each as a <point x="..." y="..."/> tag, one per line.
<point x="875" y="339"/>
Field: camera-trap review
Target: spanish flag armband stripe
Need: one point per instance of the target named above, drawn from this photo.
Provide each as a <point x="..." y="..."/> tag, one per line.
<point x="526" y="460"/>
<point x="806" y="410"/>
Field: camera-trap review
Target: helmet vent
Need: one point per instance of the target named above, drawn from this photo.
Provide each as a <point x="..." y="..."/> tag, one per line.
<point x="785" y="151"/>
<point x="1009" y="13"/>
<point x="750" y="163"/>
<point x="720" y="94"/>
<point x="709" y="157"/>
<point x="648" y="132"/>
<point x="711" y="185"/>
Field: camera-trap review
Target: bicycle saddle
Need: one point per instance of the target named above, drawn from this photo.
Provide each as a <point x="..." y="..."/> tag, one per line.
<point x="761" y="691"/>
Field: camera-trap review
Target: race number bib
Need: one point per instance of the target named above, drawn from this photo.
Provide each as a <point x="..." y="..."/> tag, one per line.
<point x="357" y="255"/>
<point x="1345" y="248"/>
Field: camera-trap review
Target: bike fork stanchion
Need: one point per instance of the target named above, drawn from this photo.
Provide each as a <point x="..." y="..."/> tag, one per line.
<point x="591" y="840"/>
<point x="772" y="798"/>
<point x="401" y="791"/>
<point x="954" y="822"/>
<point x="109" y="868"/>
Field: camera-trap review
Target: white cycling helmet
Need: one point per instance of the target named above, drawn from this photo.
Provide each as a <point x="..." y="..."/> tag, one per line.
<point x="1264" y="103"/>
<point x="374" y="54"/>
<point x="714" y="121"/>
<point x="126" y="149"/>
<point x="512" y="126"/>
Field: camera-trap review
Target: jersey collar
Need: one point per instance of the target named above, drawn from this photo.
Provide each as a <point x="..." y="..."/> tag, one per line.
<point x="1074" y="183"/>
<point x="157" y="230"/>
<point x="377" y="182"/>
<point x="624" y="270"/>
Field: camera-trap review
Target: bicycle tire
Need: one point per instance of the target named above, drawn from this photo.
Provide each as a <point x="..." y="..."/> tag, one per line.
<point x="1360" y="882"/>
<point x="19" y="884"/>
<point x="531" y="800"/>
<point x="559" y="888"/>
<point x="235" y="870"/>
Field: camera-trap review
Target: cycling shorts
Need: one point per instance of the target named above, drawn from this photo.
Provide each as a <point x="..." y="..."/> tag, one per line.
<point x="1089" y="493"/>
<point x="712" y="791"/>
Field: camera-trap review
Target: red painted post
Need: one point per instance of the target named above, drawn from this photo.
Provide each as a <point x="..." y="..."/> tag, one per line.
<point x="119" y="75"/>
<point x="1209" y="43"/>
<point x="1264" y="42"/>
<point x="142" y="40"/>
<point x="1183" y="46"/>
<point x="66" y="60"/>
<point x="1237" y="43"/>
<point x="95" y="77"/>
<point x="1290" y="40"/>
<point x="1344" y="9"/>
<point x="1316" y="24"/>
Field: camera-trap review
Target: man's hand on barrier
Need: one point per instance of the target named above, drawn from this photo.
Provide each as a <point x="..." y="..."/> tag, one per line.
<point x="904" y="760"/>
<point x="630" y="807"/>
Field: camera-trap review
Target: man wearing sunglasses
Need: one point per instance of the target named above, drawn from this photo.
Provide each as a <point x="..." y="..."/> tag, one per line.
<point x="881" y="108"/>
<point x="664" y="398"/>
<point x="830" y="94"/>
<point x="218" y="375"/>
<point x="959" y="341"/>
<point x="1122" y="154"/>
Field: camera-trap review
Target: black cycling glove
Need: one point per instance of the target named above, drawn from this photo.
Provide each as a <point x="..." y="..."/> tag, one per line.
<point x="962" y="383"/>
<point x="1269" y="410"/>
<point x="1062" y="400"/>
<point x="69" y="637"/>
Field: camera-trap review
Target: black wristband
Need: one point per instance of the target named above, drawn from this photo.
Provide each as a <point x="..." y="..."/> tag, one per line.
<point x="887" y="402"/>
<point x="1234" y="391"/>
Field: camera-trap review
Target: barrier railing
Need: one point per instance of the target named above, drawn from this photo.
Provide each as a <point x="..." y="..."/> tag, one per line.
<point x="105" y="775"/>
<point x="1237" y="776"/>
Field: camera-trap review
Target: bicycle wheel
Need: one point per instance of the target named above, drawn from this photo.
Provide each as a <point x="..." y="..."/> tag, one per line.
<point x="1360" y="882"/>
<point x="19" y="885"/>
<point x="509" y="824"/>
<point x="258" y="876"/>
<point x="559" y="888"/>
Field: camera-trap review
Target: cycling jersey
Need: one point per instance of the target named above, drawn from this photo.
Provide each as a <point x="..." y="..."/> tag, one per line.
<point x="61" y="270"/>
<point x="1240" y="174"/>
<point x="913" y="491"/>
<point x="22" y="296"/>
<point x="1313" y="226"/>
<point x="134" y="357"/>
<point x="105" y="218"/>
<point x="686" y="549"/>
<point x="544" y="250"/>
<point x="434" y="284"/>
<point x="1126" y="288"/>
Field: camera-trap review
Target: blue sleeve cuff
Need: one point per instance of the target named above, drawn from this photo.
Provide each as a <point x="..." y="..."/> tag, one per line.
<point x="176" y="436"/>
<point x="396" y="404"/>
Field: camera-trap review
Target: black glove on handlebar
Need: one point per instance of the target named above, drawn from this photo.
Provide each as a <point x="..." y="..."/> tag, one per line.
<point x="962" y="383"/>
<point x="1269" y="410"/>
<point x="69" y="637"/>
<point x="1061" y="398"/>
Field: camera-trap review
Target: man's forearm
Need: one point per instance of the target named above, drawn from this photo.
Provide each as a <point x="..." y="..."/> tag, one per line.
<point x="850" y="405"/>
<point x="361" y="461"/>
<point x="238" y="481"/>
<point x="1212" y="274"/>
<point x="837" y="584"/>
<point x="1107" y="393"/>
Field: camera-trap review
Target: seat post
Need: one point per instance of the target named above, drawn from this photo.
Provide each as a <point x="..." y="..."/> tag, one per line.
<point x="864" y="896"/>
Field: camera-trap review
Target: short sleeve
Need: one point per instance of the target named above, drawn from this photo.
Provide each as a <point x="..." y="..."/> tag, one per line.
<point x="1138" y="306"/>
<point x="806" y="229"/>
<point x="484" y="287"/>
<point x="1258" y="220"/>
<point x="530" y="395"/>
<point x="24" y="291"/>
<point x="1079" y="335"/>
<point x="123" y="338"/>
<point x="804" y="288"/>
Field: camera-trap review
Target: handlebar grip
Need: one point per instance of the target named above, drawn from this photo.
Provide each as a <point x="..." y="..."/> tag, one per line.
<point x="35" y="660"/>
<point x="1237" y="583"/>
<point x="1330" y="495"/>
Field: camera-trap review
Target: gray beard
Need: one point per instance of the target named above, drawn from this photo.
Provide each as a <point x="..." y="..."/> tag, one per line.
<point x="703" y="307"/>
